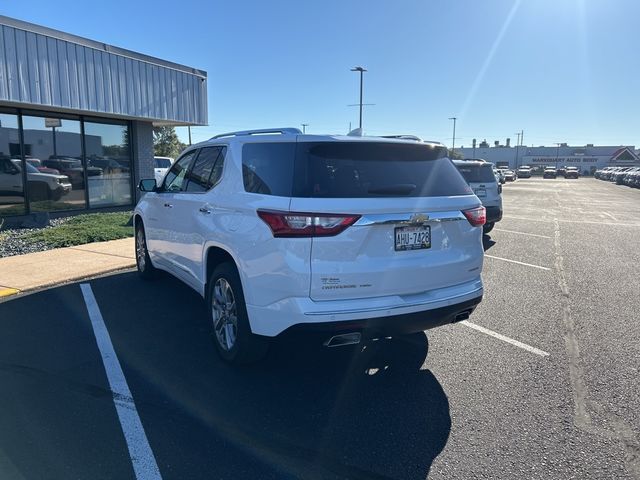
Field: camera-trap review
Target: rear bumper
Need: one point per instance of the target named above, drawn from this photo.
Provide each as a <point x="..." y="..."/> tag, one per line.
<point x="494" y="214"/>
<point x="399" y="314"/>
<point x="393" y="325"/>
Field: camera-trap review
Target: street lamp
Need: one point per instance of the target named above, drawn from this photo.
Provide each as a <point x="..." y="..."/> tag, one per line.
<point x="453" y="143"/>
<point x="361" y="70"/>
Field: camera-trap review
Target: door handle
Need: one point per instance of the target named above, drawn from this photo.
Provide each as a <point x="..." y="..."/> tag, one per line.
<point x="206" y="209"/>
<point x="168" y="205"/>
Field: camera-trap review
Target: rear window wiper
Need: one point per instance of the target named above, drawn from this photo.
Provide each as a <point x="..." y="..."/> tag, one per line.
<point x="398" y="189"/>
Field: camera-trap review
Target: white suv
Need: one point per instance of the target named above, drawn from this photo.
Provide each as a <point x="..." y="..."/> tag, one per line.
<point x="355" y="237"/>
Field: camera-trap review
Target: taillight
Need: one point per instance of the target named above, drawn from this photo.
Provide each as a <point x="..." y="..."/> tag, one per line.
<point x="476" y="216"/>
<point x="295" y="224"/>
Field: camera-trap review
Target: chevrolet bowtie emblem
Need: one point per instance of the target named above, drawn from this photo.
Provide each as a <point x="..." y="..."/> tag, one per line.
<point x="419" y="218"/>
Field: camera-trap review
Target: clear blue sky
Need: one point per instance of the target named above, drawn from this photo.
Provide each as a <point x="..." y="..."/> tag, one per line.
<point x="562" y="70"/>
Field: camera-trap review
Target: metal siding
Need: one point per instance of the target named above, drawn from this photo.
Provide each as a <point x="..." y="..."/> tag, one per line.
<point x="128" y="77"/>
<point x="32" y="65"/>
<point x="4" y="86"/>
<point x="63" y="70"/>
<point x="107" y="82"/>
<point x="99" y="81"/>
<point x="115" y="88"/>
<point x="122" y="84"/>
<point x="54" y="74"/>
<point x="82" y="77"/>
<point x="37" y="68"/>
<point x="23" y="67"/>
<point x="43" y="70"/>
<point x="92" y="89"/>
<point x="74" y="93"/>
<point x="12" y="64"/>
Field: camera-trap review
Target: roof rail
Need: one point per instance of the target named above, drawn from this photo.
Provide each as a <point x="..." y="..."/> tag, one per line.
<point x="403" y="137"/>
<point x="264" y="131"/>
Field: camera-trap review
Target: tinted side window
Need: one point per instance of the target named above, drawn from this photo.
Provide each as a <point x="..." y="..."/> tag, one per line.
<point x="175" y="179"/>
<point x="267" y="168"/>
<point x="200" y="176"/>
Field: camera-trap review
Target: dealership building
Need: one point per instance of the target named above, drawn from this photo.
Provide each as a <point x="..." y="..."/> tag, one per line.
<point x="587" y="158"/>
<point x="77" y="117"/>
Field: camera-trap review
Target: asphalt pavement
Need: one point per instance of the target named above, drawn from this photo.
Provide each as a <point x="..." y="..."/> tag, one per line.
<point x="542" y="383"/>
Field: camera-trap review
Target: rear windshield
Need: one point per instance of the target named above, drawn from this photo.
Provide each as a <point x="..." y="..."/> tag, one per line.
<point x="163" y="163"/>
<point x="350" y="170"/>
<point x="477" y="173"/>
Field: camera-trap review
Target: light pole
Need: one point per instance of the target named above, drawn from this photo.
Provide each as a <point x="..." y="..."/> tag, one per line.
<point x="361" y="70"/>
<point x="517" y="148"/>
<point x="304" y="127"/>
<point x="453" y="143"/>
<point x="557" y="153"/>
<point x="189" y="128"/>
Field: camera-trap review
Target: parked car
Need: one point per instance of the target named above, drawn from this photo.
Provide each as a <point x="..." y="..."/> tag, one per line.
<point x="108" y="165"/>
<point x="72" y="168"/>
<point x="393" y="245"/>
<point x="572" y="172"/>
<point x="162" y="165"/>
<point x="561" y="171"/>
<point x="510" y="175"/>
<point x="37" y="163"/>
<point x="480" y="178"/>
<point x="549" y="172"/>
<point x="499" y="175"/>
<point x="524" y="172"/>
<point x="41" y="186"/>
<point x="623" y="178"/>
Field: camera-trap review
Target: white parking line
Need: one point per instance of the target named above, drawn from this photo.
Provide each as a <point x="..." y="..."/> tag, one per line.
<point x="521" y="233"/>
<point x="499" y="336"/>
<point x="515" y="261"/>
<point x="144" y="463"/>
<point x="610" y="216"/>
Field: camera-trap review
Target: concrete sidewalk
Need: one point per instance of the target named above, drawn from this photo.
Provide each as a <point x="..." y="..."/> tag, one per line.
<point x="22" y="273"/>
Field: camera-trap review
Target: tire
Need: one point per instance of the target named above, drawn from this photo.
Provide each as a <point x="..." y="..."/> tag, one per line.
<point x="234" y="340"/>
<point x="487" y="227"/>
<point x="146" y="270"/>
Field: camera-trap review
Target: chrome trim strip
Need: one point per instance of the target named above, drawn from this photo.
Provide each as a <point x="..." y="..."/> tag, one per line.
<point x="405" y="218"/>
<point x="382" y="309"/>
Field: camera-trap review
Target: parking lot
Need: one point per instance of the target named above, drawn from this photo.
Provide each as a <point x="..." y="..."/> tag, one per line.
<point x="542" y="382"/>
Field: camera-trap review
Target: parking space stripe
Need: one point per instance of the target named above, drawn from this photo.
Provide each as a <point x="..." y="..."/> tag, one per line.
<point x="521" y="233"/>
<point x="504" y="338"/>
<point x="517" y="262"/>
<point x="142" y="458"/>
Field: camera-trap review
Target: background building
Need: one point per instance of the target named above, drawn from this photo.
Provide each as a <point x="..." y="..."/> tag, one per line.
<point x="87" y="110"/>
<point x="588" y="158"/>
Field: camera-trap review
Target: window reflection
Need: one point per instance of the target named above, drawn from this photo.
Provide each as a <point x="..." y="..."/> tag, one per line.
<point x="53" y="155"/>
<point x="107" y="150"/>
<point x="11" y="180"/>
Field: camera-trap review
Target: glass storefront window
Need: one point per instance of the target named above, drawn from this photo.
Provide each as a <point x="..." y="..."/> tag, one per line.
<point x="107" y="150"/>
<point x="11" y="179"/>
<point x="53" y="155"/>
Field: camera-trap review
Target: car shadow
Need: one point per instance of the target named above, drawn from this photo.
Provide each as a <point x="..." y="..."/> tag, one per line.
<point x="487" y="242"/>
<point x="305" y="411"/>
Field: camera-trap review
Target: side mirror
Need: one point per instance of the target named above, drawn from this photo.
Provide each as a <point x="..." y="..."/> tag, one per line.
<point x="147" y="185"/>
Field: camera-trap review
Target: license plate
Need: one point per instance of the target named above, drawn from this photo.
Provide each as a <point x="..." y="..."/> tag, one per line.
<point x="413" y="238"/>
<point x="480" y="192"/>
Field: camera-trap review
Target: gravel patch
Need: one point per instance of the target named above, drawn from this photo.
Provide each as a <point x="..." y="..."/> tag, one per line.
<point x="12" y="241"/>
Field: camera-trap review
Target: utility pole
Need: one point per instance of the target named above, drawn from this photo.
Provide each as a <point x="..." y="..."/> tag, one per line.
<point x="453" y="143"/>
<point x="189" y="128"/>
<point x="517" y="148"/>
<point x="361" y="70"/>
<point x="304" y="127"/>
<point x="557" y="153"/>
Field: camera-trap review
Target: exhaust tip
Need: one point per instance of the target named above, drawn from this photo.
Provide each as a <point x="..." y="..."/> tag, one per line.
<point x="344" y="339"/>
<point x="462" y="316"/>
